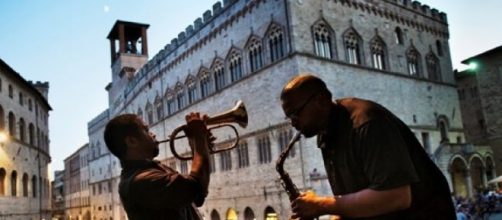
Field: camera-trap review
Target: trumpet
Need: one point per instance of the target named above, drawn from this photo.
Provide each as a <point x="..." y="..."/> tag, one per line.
<point x="237" y="114"/>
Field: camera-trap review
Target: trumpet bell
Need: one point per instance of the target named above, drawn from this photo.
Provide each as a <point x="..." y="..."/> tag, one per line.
<point x="237" y="114"/>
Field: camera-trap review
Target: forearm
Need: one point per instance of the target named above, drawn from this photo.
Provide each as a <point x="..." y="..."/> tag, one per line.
<point x="367" y="202"/>
<point x="200" y="162"/>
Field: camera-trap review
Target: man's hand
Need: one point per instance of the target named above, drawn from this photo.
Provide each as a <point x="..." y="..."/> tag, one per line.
<point x="308" y="205"/>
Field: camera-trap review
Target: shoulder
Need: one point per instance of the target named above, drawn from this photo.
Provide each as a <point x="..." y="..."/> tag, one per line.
<point x="362" y="111"/>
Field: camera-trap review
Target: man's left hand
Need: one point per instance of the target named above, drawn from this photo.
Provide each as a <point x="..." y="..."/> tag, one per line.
<point x="307" y="205"/>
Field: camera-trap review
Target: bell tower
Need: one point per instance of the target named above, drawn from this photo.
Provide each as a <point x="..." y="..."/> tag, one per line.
<point x="128" y="52"/>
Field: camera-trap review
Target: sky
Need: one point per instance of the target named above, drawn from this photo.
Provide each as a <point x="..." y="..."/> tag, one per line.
<point x="64" y="42"/>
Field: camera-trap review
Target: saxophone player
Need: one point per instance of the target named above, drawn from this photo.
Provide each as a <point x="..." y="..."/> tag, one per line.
<point x="376" y="167"/>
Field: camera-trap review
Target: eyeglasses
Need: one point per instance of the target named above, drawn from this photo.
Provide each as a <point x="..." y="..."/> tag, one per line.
<point x="296" y="112"/>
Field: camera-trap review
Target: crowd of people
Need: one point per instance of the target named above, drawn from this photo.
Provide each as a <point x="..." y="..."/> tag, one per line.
<point x="481" y="206"/>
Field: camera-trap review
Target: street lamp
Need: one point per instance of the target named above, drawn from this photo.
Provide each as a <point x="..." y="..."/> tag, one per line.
<point x="3" y="138"/>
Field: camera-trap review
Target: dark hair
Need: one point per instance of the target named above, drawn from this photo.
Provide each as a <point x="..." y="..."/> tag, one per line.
<point x="117" y="130"/>
<point x="305" y="83"/>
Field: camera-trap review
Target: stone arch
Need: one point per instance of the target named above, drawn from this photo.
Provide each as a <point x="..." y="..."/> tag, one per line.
<point x="477" y="170"/>
<point x="249" y="214"/>
<point x="324" y="39"/>
<point x="13" y="183"/>
<point x="458" y="172"/>
<point x="270" y="214"/>
<point x="34" y="185"/>
<point x="231" y="214"/>
<point x="215" y="215"/>
<point x="25" y="184"/>
<point x="2" y="181"/>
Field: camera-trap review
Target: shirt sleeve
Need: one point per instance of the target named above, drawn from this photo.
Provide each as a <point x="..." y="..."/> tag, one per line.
<point x="386" y="161"/>
<point x="157" y="188"/>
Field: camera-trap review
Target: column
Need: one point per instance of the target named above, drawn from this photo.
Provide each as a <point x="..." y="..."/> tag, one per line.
<point x="468" y="179"/>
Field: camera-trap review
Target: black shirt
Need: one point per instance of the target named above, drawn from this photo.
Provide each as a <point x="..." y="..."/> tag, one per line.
<point x="366" y="146"/>
<point x="151" y="190"/>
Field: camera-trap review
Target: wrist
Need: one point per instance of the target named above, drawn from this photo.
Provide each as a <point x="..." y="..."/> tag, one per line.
<point x="328" y="205"/>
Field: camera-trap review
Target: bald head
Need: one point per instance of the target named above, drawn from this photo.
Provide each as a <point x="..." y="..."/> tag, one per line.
<point x="304" y="85"/>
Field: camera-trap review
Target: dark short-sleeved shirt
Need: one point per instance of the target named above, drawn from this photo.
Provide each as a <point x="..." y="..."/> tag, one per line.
<point x="151" y="190"/>
<point x="366" y="146"/>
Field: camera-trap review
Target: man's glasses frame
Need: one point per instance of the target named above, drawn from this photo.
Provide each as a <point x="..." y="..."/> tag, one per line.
<point x="297" y="111"/>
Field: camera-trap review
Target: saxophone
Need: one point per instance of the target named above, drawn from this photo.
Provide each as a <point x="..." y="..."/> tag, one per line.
<point x="286" y="181"/>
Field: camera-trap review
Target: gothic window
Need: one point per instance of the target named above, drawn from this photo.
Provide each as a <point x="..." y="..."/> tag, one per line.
<point x="12" y="124"/>
<point x="398" y="34"/>
<point x="235" y="64"/>
<point x="205" y="83"/>
<point x="149" y="113"/>
<point x="170" y="102"/>
<point x="219" y="75"/>
<point x="284" y="138"/>
<point x="439" y="48"/>
<point x="443" y="128"/>
<point x="2" y="182"/>
<point x="433" y="68"/>
<point x="378" y="53"/>
<point x="11" y="92"/>
<point x="264" y="153"/>
<point x="254" y="52"/>
<point x="275" y="42"/>
<point x="212" y="165"/>
<point x="191" y="89"/>
<point x="34" y="186"/>
<point x="25" y="185"/>
<point x="242" y="154"/>
<point x="323" y="38"/>
<point x="159" y="108"/>
<point x="13" y="183"/>
<point x="140" y="113"/>
<point x="22" y="129"/>
<point x="180" y="96"/>
<point x="225" y="160"/>
<point x="413" y="58"/>
<point x="352" y="47"/>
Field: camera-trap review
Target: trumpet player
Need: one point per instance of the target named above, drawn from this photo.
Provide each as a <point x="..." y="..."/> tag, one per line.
<point x="149" y="189"/>
<point x="376" y="167"/>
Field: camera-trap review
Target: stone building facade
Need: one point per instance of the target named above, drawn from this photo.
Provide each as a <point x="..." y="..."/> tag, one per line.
<point x="24" y="153"/>
<point x="58" y="203"/>
<point x="393" y="52"/>
<point x="480" y="97"/>
<point x="76" y="181"/>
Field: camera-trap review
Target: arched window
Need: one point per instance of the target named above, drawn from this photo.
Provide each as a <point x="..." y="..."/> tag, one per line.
<point x="171" y="107"/>
<point x="2" y="181"/>
<point x="31" y="134"/>
<point x="433" y="68"/>
<point x="378" y="53"/>
<point x="205" y="82"/>
<point x="248" y="214"/>
<point x="413" y="58"/>
<point x="21" y="99"/>
<point x="235" y="64"/>
<point x="226" y="160"/>
<point x="215" y="215"/>
<point x="254" y="53"/>
<point x="191" y="89"/>
<point x="352" y="46"/>
<point x="439" y="48"/>
<point x="219" y="74"/>
<point x="443" y="128"/>
<point x="242" y="154"/>
<point x="12" y="124"/>
<point x="264" y="153"/>
<point x="284" y="138"/>
<point x="270" y="214"/>
<point x="275" y="42"/>
<point x="34" y="186"/>
<point x="2" y="118"/>
<point x="159" y="108"/>
<point x="11" y="92"/>
<point x="149" y="113"/>
<point x="398" y="34"/>
<point x="180" y="96"/>
<point x="13" y="183"/>
<point x="22" y="130"/>
<point x="323" y="39"/>
<point x="25" y="185"/>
